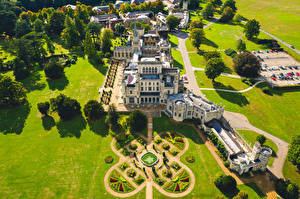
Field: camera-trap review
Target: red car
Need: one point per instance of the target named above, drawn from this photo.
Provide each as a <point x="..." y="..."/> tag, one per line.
<point x="297" y="74"/>
<point x="274" y="78"/>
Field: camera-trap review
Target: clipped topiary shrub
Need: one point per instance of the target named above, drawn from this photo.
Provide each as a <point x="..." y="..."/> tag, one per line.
<point x="133" y="146"/>
<point x="158" y="140"/>
<point x="167" y="173"/>
<point x="131" y="173"/>
<point x="166" y="146"/>
<point x="190" y="159"/>
<point x="109" y="159"/>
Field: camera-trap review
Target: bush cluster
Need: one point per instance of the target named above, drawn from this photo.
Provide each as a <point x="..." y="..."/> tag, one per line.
<point x="230" y="52"/>
<point x="286" y="189"/>
<point x="66" y="107"/>
<point x="225" y="183"/>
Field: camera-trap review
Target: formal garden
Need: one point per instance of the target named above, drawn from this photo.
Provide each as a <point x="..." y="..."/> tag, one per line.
<point x="111" y="75"/>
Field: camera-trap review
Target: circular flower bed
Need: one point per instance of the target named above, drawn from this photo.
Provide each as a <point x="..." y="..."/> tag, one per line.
<point x="149" y="159"/>
<point x="190" y="159"/>
<point x="109" y="159"/>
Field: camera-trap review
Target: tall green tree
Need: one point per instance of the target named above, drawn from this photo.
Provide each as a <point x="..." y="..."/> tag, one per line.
<point x="227" y="15"/>
<point x="22" y="28"/>
<point x="11" y="92"/>
<point x="172" y="22"/>
<point x="137" y="121"/>
<point x="208" y="10"/>
<point x="80" y="27"/>
<point x="70" y="35"/>
<point x="66" y="107"/>
<point x="197" y="36"/>
<point x="38" y="26"/>
<point x="55" y="24"/>
<point x="93" y="110"/>
<point x="251" y="29"/>
<point x="214" y="68"/>
<point x="89" y="46"/>
<point x="294" y="151"/>
<point x="246" y="64"/>
<point x="196" y="23"/>
<point x="20" y="69"/>
<point x="8" y="21"/>
<point x="229" y="3"/>
<point x="120" y="28"/>
<point x="94" y="29"/>
<point x="106" y="37"/>
<point x="112" y="117"/>
<point x="261" y="139"/>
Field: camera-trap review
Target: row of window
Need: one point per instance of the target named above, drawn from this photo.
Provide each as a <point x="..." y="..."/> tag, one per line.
<point x="152" y="70"/>
<point x="153" y="83"/>
<point x="150" y="88"/>
<point x="127" y="54"/>
<point x="144" y="100"/>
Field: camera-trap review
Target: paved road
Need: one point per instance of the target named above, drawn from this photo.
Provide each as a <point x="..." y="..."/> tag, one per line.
<point x="281" y="41"/>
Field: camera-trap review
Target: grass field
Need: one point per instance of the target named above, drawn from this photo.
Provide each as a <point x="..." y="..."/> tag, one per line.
<point x="263" y="111"/>
<point x="178" y="61"/>
<point x="279" y="17"/>
<point x="205" y="166"/>
<point x="291" y="172"/>
<point x="173" y="40"/>
<point x="47" y="158"/>
<point x="250" y="137"/>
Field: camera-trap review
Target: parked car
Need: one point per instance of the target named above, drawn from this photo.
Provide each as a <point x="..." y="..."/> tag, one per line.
<point x="297" y="74"/>
<point x="290" y="67"/>
<point x="274" y="78"/>
<point x="296" y="67"/>
<point x="292" y="47"/>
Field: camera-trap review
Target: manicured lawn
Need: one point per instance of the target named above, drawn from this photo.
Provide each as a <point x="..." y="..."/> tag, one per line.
<point x="250" y="137"/>
<point x="263" y="111"/>
<point x="178" y="61"/>
<point x="205" y="166"/>
<point x="281" y="18"/>
<point x="291" y="172"/>
<point x="173" y="40"/>
<point x="43" y="158"/>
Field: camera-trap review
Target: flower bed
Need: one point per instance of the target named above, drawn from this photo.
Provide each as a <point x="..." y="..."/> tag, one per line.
<point x="139" y="180"/>
<point x="179" y="183"/>
<point x="111" y="75"/>
<point x="175" y="139"/>
<point x="105" y="98"/>
<point x="118" y="183"/>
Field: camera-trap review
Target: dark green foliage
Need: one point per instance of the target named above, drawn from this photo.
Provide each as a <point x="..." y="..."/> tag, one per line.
<point x="294" y="151"/>
<point x="247" y="65"/>
<point x="193" y="4"/>
<point x="140" y="25"/>
<point x="287" y="189"/>
<point x="89" y="46"/>
<point x="112" y="117"/>
<point x="216" y="3"/>
<point x="94" y="29"/>
<point x="21" y="70"/>
<point x="93" y="110"/>
<point x="240" y="45"/>
<point x="172" y="22"/>
<point x="8" y="21"/>
<point x="197" y="23"/>
<point x="261" y="139"/>
<point x="251" y="29"/>
<point x="70" y="35"/>
<point x="208" y="10"/>
<point x="229" y="3"/>
<point x="227" y="15"/>
<point x="109" y="159"/>
<point x="120" y="28"/>
<point x="43" y="107"/>
<point x="221" y="148"/>
<point x="225" y="183"/>
<point x="230" y="52"/>
<point x="11" y="92"/>
<point x="66" y="107"/>
<point x="54" y="70"/>
<point x="197" y="36"/>
<point x="55" y="23"/>
<point x="166" y="146"/>
<point x="211" y="54"/>
<point x="137" y="121"/>
<point x="38" y="26"/>
<point x="22" y="28"/>
<point x="190" y="159"/>
<point x="214" y="68"/>
<point x="106" y="37"/>
<point x="241" y="195"/>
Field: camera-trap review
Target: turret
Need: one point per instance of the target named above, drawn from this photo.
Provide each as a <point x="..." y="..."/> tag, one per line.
<point x="255" y="151"/>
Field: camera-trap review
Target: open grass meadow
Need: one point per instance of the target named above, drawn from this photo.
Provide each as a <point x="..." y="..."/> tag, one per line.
<point x="279" y="17"/>
<point x="250" y="138"/>
<point x="205" y="166"/>
<point x="49" y="158"/>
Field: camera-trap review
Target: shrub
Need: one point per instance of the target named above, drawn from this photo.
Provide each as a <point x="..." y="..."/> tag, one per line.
<point x="159" y="181"/>
<point x="286" y="189"/>
<point x="190" y="159"/>
<point x="294" y="151"/>
<point x="225" y="183"/>
<point x="266" y="90"/>
<point x="109" y="159"/>
<point x="261" y="139"/>
<point x="157" y="140"/>
<point x="241" y="195"/>
<point x="131" y="173"/>
<point x="227" y="15"/>
<point x="211" y="54"/>
<point x="175" y="166"/>
<point x="93" y="110"/>
<point x="20" y="69"/>
<point x="166" y="146"/>
<point x="139" y="180"/>
<point x="226" y="164"/>
<point x="125" y="152"/>
<point x="54" y="70"/>
<point x="133" y="146"/>
<point x="167" y="173"/>
<point x="230" y="52"/>
<point x="174" y="152"/>
<point x="43" y="107"/>
<point x="124" y="166"/>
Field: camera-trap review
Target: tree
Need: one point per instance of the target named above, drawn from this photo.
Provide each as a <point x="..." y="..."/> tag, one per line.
<point x="240" y="45"/>
<point x="11" y="92"/>
<point x="89" y="46"/>
<point x="247" y="64"/>
<point x="172" y="22"/>
<point x="37" y="42"/>
<point x="112" y="117"/>
<point x="251" y="29"/>
<point x="66" y="107"/>
<point x="137" y="121"/>
<point x="22" y="28"/>
<point x="294" y="151"/>
<point x="225" y="183"/>
<point x="217" y="3"/>
<point x="237" y="18"/>
<point x="196" y="23"/>
<point x="54" y="70"/>
<point x="93" y="110"/>
<point x="94" y="29"/>
<point x="261" y="139"/>
<point x="106" y="37"/>
<point x="20" y="69"/>
<point x="23" y="50"/>
<point x="55" y="24"/>
<point x="43" y="107"/>
<point x="8" y="21"/>
<point x="208" y="10"/>
<point x="197" y="35"/>
<point x="292" y="191"/>
<point x="211" y="54"/>
<point x="286" y="189"/>
<point x="70" y="35"/>
<point x="120" y="28"/>
<point x="227" y="15"/>
<point x="241" y="195"/>
<point x="193" y="4"/>
<point x="214" y="68"/>
<point x="229" y="3"/>
<point x="38" y="26"/>
<point x="80" y="27"/>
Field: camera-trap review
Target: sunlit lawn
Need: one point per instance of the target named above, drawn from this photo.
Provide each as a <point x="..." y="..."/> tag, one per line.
<point x="178" y="61"/>
<point x="173" y="40"/>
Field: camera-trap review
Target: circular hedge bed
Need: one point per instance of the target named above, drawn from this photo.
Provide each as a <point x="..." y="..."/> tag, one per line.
<point x="109" y="159"/>
<point x="190" y="159"/>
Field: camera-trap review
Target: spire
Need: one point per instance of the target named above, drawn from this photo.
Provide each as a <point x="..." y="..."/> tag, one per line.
<point x="135" y="31"/>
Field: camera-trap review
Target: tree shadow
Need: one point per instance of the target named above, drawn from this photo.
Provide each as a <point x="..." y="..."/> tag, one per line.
<point x="13" y="119"/>
<point x="236" y="98"/>
<point x="209" y="43"/>
<point x="177" y="64"/>
<point x="59" y="84"/>
<point x="99" y="127"/>
<point x="100" y="67"/>
<point x="48" y="122"/>
<point x="71" y="128"/>
<point x="255" y="188"/>
<point x="32" y="82"/>
<point x="230" y="194"/>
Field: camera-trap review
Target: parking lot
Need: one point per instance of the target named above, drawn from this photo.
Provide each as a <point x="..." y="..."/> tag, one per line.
<point x="279" y="68"/>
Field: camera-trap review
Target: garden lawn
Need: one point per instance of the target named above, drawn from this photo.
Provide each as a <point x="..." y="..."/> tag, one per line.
<point x="205" y="166"/>
<point x="280" y="18"/>
<point x="291" y="172"/>
<point x="178" y="61"/>
<point x="262" y="110"/>
<point x="48" y="158"/>
<point x="173" y="40"/>
<point x="250" y="137"/>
